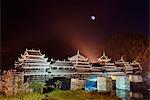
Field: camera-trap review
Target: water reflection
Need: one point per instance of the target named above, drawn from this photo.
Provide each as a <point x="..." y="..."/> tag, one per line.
<point x="133" y="95"/>
<point x="136" y="95"/>
<point x="124" y="94"/>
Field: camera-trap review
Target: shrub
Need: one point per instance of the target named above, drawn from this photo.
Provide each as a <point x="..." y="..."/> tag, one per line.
<point x="37" y="86"/>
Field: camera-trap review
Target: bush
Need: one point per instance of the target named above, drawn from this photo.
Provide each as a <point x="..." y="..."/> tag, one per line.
<point x="37" y="86"/>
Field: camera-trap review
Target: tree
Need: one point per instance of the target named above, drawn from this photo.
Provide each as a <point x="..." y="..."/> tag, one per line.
<point x="26" y="88"/>
<point x="7" y="80"/>
<point x="58" y="84"/>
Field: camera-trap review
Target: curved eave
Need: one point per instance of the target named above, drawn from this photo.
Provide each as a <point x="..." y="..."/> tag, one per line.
<point x="84" y="65"/>
<point x="77" y="57"/>
<point x="62" y="66"/>
<point x="116" y="62"/>
<point x="135" y="63"/>
<point x="42" y="60"/>
<point x="28" y="73"/>
<point x="120" y="61"/>
<point x="40" y="67"/>
<point x="39" y="56"/>
<point x="103" y="60"/>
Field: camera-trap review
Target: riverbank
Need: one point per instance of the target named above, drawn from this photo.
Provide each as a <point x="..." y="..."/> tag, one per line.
<point x="63" y="95"/>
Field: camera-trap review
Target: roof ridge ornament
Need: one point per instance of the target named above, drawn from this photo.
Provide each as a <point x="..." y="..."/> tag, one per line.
<point x="26" y="52"/>
<point x="104" y="53"/>
<point x="134" y="61"/>
<point x="52" y="59"/>
<point x="78" y="51"/>
<point x="122" y="58"/>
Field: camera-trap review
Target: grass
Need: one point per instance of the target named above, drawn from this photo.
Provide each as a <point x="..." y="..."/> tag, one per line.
<point x="62" y="95"/>
<point x="29" y="96"/>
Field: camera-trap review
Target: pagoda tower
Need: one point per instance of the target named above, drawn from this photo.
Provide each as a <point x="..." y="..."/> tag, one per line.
<point x="34" y="64"/>
<point x="133" y="69"/>
<point x="80" y="62"/>
<point x="105" y="62"/>
<point x="124" y="65"/>
<point x="137" y="70"/>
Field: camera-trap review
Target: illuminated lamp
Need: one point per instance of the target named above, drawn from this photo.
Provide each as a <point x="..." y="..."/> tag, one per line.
<point x="113" y="77"/>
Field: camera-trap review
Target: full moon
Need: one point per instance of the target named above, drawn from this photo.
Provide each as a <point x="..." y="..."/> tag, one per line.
<point x="93" y="17"/>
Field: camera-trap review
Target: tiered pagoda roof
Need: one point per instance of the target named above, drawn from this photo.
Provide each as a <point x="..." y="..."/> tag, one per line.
<point x="121" y="61"/>
<point x="33" y="62"/>
<point x="104" y="58"/>
<point x="105" y="62"/>
<point x="35" y="66"/>
<point x="79" y="59"/>
<point x="78" y="56"/>
<point x="80" y="62"/>
<point x="124" y="65"/>
<point x="136" y="65"/>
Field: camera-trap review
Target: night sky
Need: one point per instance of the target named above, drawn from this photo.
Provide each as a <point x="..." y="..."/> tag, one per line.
<point x="60" y="27"/>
